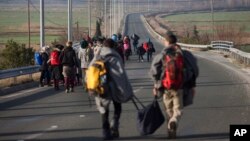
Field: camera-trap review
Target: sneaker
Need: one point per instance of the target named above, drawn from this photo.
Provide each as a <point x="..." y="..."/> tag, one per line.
<point x="71" y="90"/>
<point x="142" y="60"/>
<point x="41" y="85"/>
<point x="67" y="91"/>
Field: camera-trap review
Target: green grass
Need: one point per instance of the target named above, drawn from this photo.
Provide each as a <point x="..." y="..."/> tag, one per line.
<point x="35" y="39"/>
<point x="16" y="21"/>
<point x="204" y="19"/>
<point x="245" y="48"/>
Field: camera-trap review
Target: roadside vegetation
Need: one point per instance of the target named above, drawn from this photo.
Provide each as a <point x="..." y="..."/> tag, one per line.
<point x="199" y="28"/>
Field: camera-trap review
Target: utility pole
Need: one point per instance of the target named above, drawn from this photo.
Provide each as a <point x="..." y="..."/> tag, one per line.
<point x="110" y="18"/>
<point x="212" y="13"/>
<point x="89" y="7"/>
<point x="29" y="21"/>
<point x="69" y="20"/>
<point x="105" y="17"/>
<point x="42" y="41"/>
<point x="77" y="28"/>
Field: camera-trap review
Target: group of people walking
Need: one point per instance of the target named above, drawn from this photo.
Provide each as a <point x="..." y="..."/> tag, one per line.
<point x="174" y="72"/>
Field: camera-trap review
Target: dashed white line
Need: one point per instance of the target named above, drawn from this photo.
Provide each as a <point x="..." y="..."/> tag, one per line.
<point x="137" y="90"/>
<point x="33" y="136"/>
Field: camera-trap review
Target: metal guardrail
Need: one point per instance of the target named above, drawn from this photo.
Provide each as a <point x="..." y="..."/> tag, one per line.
<point x="26" y="70"/>
<point x="18" y="71"/>
<point x="225" y="46"/>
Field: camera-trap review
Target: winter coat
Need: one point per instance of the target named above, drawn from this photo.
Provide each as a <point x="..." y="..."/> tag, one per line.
<point x="45" y="58"/>
<point x="116" y="72"/>
<point x="69" y="57"/>
<point x="85" y="55"/>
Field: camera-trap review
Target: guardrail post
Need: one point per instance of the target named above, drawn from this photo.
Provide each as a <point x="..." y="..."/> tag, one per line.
<point x="14" y="80"/>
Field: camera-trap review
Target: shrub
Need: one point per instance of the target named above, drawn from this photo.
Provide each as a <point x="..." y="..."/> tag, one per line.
<point x="16" y="55"/>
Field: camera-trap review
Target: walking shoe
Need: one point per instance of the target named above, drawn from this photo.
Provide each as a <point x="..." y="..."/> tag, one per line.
<point x="67" y="91"/>
<point x="172" y="130"/>
<point x="56" y="88"/>
<point x="115" y="133"/>
<point x="41" y="85"/>
<point x="71" y="90"/>
<point x="107" y="135"/>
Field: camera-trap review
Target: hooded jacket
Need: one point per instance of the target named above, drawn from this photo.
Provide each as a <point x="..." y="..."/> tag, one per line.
<point x="120" y="91"/>
<point x="69" y="57"/>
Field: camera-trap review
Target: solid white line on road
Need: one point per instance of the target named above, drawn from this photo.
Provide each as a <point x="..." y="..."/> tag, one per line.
<point x="137" y="90"/>
<point x="19" y="93"/>
<point x="33" y="136"/>
<point x="82" y="116"/>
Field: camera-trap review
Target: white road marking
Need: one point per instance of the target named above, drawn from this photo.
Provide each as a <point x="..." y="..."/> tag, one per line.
<point x="82" y="116"/>
<point x="137" y="90"/>
<point x="33" y="136"/>
<point x="19" y="93"/>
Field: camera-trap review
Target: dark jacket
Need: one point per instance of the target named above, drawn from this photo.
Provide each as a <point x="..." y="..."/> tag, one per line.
<point x="69" y="57"/>
<point x="45" y="58"/>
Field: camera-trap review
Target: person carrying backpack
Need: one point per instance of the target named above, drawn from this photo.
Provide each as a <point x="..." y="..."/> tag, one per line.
<point x="150" y="50"/>
<point x="55" y="64"/>
<point x="104" y="76"/>
<point x="135" y="39"/>
<point x="70" y="64"/>
<point x="167" y="71"/>
<point x="44" y="68"/>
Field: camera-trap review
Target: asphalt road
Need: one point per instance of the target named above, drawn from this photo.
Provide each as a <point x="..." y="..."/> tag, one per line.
<point x="42" y="114"/>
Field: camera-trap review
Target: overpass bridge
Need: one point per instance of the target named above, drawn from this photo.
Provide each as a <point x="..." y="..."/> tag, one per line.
<point x="222" y="99"/>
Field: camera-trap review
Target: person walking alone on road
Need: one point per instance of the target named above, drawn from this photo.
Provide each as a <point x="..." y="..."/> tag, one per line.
<point x="167" y="73"/>
<point x="69" y="63"/>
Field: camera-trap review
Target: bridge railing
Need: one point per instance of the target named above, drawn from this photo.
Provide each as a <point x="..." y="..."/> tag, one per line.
<point x="222" y="46"/>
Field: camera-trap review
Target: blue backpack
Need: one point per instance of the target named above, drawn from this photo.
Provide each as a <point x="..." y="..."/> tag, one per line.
<point x="38" y="58"/>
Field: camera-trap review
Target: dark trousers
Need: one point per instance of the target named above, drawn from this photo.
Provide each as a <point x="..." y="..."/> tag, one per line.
<point x="149" y="56"/>
<point x="69" y="82"/>
<point x="117" y="114"/>
<point x="45" y="74"/>
<point x="140" y="56"/>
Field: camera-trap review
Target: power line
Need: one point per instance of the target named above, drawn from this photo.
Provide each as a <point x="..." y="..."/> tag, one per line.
<point x="37" y="10"/>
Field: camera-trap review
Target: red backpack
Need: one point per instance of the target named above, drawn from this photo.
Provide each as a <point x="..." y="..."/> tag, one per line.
<point x="174" y="65"/>
<point x="145" y="46"/>
<point x="55" y="59"/>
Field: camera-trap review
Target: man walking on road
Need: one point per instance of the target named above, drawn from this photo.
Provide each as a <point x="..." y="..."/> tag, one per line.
<point x="167" y="71"/>
<point x="115" y="73"/>
<point x="70" y="64"/>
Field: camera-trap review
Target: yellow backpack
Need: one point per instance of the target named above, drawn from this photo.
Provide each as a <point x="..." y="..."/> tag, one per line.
<point x="96" y="78"/>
